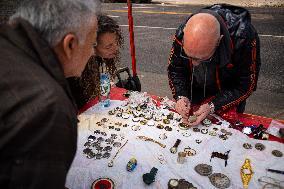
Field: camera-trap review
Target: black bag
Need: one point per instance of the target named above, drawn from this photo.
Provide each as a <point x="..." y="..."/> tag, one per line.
<point x="131" y="83"/>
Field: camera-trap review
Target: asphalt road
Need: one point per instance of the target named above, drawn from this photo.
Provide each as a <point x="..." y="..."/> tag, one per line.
<point x="155" y="25"/>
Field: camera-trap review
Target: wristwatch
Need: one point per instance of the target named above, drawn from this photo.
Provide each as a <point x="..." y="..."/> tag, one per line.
<point x="212" y="107"/>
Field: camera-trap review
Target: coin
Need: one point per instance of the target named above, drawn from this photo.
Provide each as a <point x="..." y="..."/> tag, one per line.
<point x="203" y="169"/>
<point x="277" y="153"/>
<point x="220" y="180"/>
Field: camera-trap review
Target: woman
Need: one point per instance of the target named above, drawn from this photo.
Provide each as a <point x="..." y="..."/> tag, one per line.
<point x="109" y="40"/>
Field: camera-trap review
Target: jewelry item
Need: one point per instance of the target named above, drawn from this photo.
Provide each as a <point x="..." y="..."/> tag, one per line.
<point x="192" y="118"/>
<point x="259" y="146"/>
<point x="174" y="148"/>
<point x="206" y="122"/>
<point x="220" y="180"/>
<point x="277" y="153"/>
<point x="151" y="123"/>
<point x="160" y="126"/>
<point x="110" y="163"/>
<point x="247" y="146"/>
<point x="168" y="128"/>
<point x="198" y="141"/>
<point x="132" y="163"/>
<point x="163" y="136"/>
<point x="204" y="131"/>
<point x="183" y="126"/>
<point x="102" y="183"/>
<point x="135" y="127"/>
<point x="203" y="169"/>
<point x="186" y="134"/>
<point x="195" y="129"/>
<point x="246" y="173"/>
<point x="224" y="156"/>
<point x="189" y="151"/>
<point x="151" y="140"/>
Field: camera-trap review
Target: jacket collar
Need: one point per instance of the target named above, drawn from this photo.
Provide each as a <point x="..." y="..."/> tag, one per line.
<point x="26" y="38"/>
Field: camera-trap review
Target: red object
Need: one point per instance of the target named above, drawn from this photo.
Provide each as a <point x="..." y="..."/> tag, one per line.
<point x="105" y="183"/>
<point x="231" y="115"/>
<point x="131" y="35"/>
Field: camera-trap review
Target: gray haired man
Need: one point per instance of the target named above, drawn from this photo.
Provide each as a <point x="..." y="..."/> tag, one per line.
<point x="44" y="42"/>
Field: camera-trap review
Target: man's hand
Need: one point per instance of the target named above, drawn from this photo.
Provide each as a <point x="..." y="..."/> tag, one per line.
<point x="201" y="114"/>
<point x="182" y="107"/>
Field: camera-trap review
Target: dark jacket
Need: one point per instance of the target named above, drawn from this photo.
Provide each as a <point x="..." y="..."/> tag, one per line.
<point x="38" y="122"/>
<point x="232" y="74"/>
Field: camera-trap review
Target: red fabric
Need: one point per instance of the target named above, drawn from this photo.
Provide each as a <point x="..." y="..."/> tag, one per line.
<point x="230" y="115"/>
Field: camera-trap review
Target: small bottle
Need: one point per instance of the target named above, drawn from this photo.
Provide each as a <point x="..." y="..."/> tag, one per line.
<point x="104" y="90"/>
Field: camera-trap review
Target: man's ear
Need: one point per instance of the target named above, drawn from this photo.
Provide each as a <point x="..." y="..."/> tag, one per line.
<point x="70" y="42"/>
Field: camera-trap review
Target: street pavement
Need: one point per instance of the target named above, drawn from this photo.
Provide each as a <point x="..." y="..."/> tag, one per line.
<point x="155" y="25"/>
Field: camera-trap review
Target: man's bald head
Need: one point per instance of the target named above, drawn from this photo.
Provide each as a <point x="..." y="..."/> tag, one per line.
<point x="201" y="35"/>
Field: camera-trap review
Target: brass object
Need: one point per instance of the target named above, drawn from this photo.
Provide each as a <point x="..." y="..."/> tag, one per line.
<point x="151" y="140"/>
<point x="246" y="173"/>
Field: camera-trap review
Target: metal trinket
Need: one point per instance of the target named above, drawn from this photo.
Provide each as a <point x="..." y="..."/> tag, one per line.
<point x="135" y="127"/>
<point x="100" y="139"/>
<point x="212" y="133"/>
<point x="186" y="134"/>
<point x="107" y="148"/>
<point x="173" y="184"/>
<point x="203" y="169"/>
<point x="183" y="126"/>
<point x="143" y="122"/>
<point x="111" y="127"/>
<point x="98" y="156"/>
<point x="246" y="173"/>
<point x="224" y="156"/>
<point x="195" y="129"/>
<point x="168" y="128"/>
<point x="125" y="125"/>
<point x="220" y="180"/>
<point x="157" y="118"/>
<point x="103" y="133"/>
<point x="111" y="112"/>
<point x="163" y="136"/>
<point x="151" y="123"/>
<point x="198" y="141"/>
<point x="206" y="122"/>
<point x="166" y="121"/>
<point x="88" y="144"/>
<point x="160" y="126"/>
<point x="277" y="153"/>
<point x="223" y="137"/>
<point x="204" y="131"/>
<point x="215" y="129"/>
<point x="97" y="132"/>
<point x="247" y="146"/>
<point x="125" y="115"/>
<point x="151" y="140"/>
<point x="91" y="138"/>
<point x="117" y="144"/>
<point x="104" y="120"/>
<point x="106" y="155"/>
<point x="136" y="119"/>
<point x="259" y="146"/>
<point x="173" y="149"/>
<point x="189" y="151"/>
<point x="117" y="129"/>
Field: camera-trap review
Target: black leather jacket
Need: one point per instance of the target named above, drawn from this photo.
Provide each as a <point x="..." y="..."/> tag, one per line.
<point x="232" y="74"/>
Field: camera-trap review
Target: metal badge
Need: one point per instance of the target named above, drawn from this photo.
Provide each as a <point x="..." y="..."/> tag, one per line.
<point x="206" y="122"/>
<point x="163" y="136"/>
<point x="259" y="146"/>
<point x="204" y="131"/>
<point x="106" y="155"/>
<point x="107" y="148"/>
<point x="117" y="144"/>
<point x="136" y="119"/>
<point x="168" y="128"/>
<point x="195" y="129"/>
<point x="212" y="133"/>
<point x="247" y="146"/>
<point x="277" y="153"/>
<point x="203" y="169"/>
<point x="189" y="151"/>
<point x="151" y="123"/>
<point x="160" y="126"/>
<point x="223" y="137"/>
<point x="135" y="127"/>
<point x="166" y="121"/>
<point x="220" y="180"/>
<point x="183" y="126"/>
<point x="97" y="132"/>
<point x="186" y="134"/>
<point x="143" y="122"/>
<point x="198" y="141"/>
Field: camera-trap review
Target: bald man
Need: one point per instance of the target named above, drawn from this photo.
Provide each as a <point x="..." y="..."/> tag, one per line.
<point x="214" y="62"/>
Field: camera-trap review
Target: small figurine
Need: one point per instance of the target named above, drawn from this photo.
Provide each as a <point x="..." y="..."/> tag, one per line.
<point x="224" y="156"/>
<point x="131" y="164"/>
<point x="149" y="178"/>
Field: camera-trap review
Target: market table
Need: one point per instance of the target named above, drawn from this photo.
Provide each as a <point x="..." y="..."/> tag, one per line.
<point x="100" y="124"/>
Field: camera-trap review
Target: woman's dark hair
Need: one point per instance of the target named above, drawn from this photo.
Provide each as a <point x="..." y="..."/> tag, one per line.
<point x="90" y="79"/>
